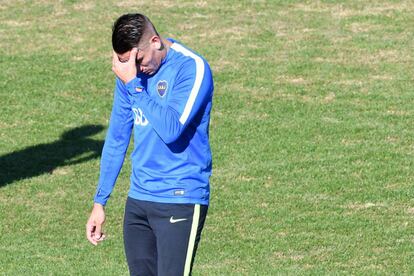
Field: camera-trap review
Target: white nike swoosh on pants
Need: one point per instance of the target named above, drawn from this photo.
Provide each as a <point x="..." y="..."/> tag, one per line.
<point x="172" y="220"/>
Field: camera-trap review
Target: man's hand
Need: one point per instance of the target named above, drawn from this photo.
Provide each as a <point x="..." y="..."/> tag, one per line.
<point x="126" y="71"/>
<point x="94" y="225"/>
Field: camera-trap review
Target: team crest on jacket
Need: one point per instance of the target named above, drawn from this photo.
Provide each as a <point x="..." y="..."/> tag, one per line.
<point x="162" y="86"/>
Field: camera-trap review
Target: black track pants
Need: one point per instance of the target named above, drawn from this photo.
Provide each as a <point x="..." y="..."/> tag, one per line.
<point x="161" y="238"/>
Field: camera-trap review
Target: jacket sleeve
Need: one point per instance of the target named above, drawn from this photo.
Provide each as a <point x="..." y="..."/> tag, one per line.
<point x="116" y="143"/>
<point x="193" y="87"/>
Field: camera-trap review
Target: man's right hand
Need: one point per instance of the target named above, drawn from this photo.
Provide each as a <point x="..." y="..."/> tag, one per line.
<point x="94" y="225"/>
<point x="125" y="71"/>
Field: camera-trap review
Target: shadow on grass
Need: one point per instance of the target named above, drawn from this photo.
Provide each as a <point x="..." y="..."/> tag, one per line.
<point x="73" y="147"/>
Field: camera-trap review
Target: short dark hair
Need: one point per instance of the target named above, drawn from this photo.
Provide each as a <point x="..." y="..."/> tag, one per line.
<point x="128" y="31"/>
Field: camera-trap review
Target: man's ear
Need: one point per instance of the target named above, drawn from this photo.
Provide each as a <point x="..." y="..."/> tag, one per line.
<point x="156" y="40"/>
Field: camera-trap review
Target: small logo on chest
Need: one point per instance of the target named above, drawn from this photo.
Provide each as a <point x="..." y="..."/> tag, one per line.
<point x="162" y="87"/>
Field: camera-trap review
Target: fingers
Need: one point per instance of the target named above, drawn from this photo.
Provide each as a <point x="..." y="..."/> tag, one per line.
<point x="93" y="235"/>
<point x="133" y="56"/>
<point x="98" y="234"/>
<point x="90" y="233"/>
<point x="94" y="225"/>
<point x="101" y="238"/>
<point x="125" y="70"/>
<point x="114" y="60"/>
<point x="94" y="232"/>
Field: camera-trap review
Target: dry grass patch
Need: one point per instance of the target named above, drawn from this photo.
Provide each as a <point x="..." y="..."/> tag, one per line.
<point x="163" y="4"/>
<point x="394" y="112"/>
<point x="351" y="82"/>
<point x="382" y="77"/>
<point x="392" y="139"/>
<point x="15" y="23"/>
<point x="222" y="64"/>
<point x="61" y="171"/>
<point x="294" y="256"/>
<point x="313" y="6"/>
<point x="358" y="27"/>
<point x="364" y="206"/>
<point x="369" y="9"/>
<point x="84" y="6"/>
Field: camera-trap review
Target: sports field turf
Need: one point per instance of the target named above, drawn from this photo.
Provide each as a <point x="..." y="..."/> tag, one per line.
<point x="312" y="134"/>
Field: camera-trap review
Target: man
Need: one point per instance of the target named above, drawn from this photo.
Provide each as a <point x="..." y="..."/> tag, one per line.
<point x="163" y="93"/>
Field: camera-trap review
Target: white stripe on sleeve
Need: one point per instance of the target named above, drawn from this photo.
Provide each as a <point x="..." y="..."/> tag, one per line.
<point x="198" y="79"/>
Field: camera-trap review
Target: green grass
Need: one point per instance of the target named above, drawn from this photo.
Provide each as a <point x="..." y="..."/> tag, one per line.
<point x="311" y="134"/>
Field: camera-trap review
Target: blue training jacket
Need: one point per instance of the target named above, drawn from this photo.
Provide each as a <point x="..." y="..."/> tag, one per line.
<point x="169" y="113"/>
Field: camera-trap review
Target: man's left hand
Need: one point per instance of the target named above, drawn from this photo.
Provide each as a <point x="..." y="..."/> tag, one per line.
<point x="125" y="71"/>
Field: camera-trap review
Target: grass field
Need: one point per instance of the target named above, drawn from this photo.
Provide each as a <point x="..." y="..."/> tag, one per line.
<point x="312" y="134"/>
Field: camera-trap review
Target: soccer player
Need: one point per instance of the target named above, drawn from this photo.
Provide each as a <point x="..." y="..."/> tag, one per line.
<point x="163" y="94"/>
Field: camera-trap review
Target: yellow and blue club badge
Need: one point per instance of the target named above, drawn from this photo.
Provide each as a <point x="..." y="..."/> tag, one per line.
<point x="162" y="86"/>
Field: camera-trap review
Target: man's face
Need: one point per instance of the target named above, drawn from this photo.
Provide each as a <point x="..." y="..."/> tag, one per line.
<point x="147" y="60"/>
